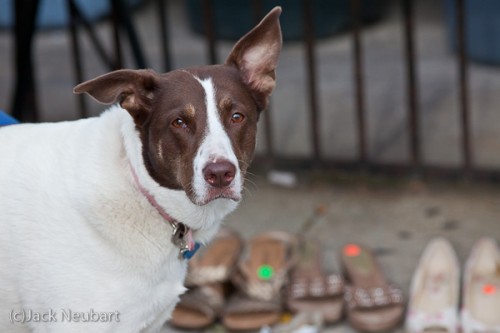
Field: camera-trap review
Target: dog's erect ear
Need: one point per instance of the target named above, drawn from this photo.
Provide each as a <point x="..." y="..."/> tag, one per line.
<point x="256" y="56"/>
<point x="133" y="89"/>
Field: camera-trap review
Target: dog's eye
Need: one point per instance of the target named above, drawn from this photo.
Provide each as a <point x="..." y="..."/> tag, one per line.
<point x="179" y="123"/>
<point x="237" y="117"/>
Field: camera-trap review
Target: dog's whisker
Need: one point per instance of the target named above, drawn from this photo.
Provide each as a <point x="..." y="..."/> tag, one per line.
<point x="247" y="191"/>
<point x="249" y="182"/>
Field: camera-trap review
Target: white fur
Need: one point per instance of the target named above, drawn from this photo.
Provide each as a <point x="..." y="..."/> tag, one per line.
<point x="76" y="233"/>
<point x="216" y="145"/>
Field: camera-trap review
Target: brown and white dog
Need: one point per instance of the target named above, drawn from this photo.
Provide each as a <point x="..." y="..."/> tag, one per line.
<point x="88" y="208"/>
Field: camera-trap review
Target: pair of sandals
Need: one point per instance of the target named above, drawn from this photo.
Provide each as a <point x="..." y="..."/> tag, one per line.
<point x="435" y="290"/>
<point x="369" y="301"/>
<point x="248" y="286"/>
<point x="240" y="284"/>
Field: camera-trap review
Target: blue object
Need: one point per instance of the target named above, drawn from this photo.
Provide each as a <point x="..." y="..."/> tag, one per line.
<point x="5" y="119"/>
<point x="482" y="24"/>
<point x="54" y="13"/>
<point x="233" y="19"/>
<point x="189" y="254"/>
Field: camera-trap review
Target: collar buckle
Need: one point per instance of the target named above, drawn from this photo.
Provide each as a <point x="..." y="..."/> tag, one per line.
<point x="178" y="233"/>
<point x="187" y="247"/>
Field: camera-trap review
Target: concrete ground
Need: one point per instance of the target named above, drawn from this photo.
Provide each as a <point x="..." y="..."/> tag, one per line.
<point x="395" y="218"/>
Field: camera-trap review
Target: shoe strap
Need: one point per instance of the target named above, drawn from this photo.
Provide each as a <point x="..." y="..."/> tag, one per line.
<point x="319" y="286"/>
<point x="361" y="298"/>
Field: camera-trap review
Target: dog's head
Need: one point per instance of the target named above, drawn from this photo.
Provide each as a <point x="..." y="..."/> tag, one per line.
<point x="198" y="125"/>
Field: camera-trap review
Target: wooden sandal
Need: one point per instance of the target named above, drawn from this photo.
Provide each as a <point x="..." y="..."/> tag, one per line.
<point x="208" y="274"/>
<point x="199" y="307"/>
<point x="311" y="289"/>
<point x="260" y="277"/>
<point x="372" y="303"/>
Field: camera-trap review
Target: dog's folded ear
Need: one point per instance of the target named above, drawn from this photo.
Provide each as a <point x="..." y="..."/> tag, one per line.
<point x="256" y="56"/>
<point x="133" y="89"/>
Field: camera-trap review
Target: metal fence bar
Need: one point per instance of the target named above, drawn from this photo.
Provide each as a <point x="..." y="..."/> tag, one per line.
<point x="309" y="40"/>
<point x="98" y="46"/>
<point x="412" y="89"/>
<point x="463" y="87"/>
<point x="209" y="25"/>
<point x="24" y="101"/>
<point x="126" y="23"/>
<point x="164" y="34"/>
<point x="117" y="44"/>
<point x="358" y="80"/>
<point x="257" y="12"/>
<point x="77" y="60"/>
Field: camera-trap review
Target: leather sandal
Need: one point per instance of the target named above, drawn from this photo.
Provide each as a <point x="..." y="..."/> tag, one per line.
<point x="199" y="307"/>
<point x="481" y="289"/>
<point x="434" y="293"/>
<point x="207" y="279"/>
<point x="311" y="289"/>
<point x="260" y="277"/>
<point x="372" y="303"/>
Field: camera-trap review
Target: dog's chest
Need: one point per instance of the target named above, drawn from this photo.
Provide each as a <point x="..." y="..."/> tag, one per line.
<point x="155" y="300"/>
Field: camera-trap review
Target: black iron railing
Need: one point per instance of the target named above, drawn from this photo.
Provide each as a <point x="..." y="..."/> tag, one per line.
<point x="361" y="160"/>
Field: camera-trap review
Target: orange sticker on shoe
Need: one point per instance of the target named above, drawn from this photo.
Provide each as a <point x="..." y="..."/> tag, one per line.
<point x="352" y="250"/>
<point x="489" y="289"/>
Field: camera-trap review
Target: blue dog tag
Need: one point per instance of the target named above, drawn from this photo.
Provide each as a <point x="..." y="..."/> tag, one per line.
<point x="186" y="254"/>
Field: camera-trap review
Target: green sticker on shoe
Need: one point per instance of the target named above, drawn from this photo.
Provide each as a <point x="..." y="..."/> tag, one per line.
<point x="265" y="272"/>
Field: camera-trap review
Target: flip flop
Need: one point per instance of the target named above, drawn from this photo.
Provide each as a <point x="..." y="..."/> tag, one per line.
<point x="481" y="289"/>
<point x="260" y="277"/>
<point x="434" y="293"/>
<point x="208" y="274"/>
<point x="311" y="289"/>
<point x="372" y="303"/>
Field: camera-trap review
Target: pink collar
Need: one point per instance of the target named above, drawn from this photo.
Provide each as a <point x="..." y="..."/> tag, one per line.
<point x="182" y="235"/>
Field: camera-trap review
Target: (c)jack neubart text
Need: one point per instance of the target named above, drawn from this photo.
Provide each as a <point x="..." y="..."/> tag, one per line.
<point x="62" y="315"/>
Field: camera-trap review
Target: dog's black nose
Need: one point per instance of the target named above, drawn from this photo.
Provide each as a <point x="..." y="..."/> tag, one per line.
<point x="219" y="174"/>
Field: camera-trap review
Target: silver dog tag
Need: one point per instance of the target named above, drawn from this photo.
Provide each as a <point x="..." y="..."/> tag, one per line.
<point x="186" y="250"/>
<point x="178" y="234"/>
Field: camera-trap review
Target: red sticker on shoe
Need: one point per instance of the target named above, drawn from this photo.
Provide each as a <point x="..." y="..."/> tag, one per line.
<point x="352" y="250"/>
<point x="489" y="289"/>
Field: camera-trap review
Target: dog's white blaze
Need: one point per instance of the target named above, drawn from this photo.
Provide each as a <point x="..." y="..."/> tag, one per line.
<point x="216" y="144"/>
